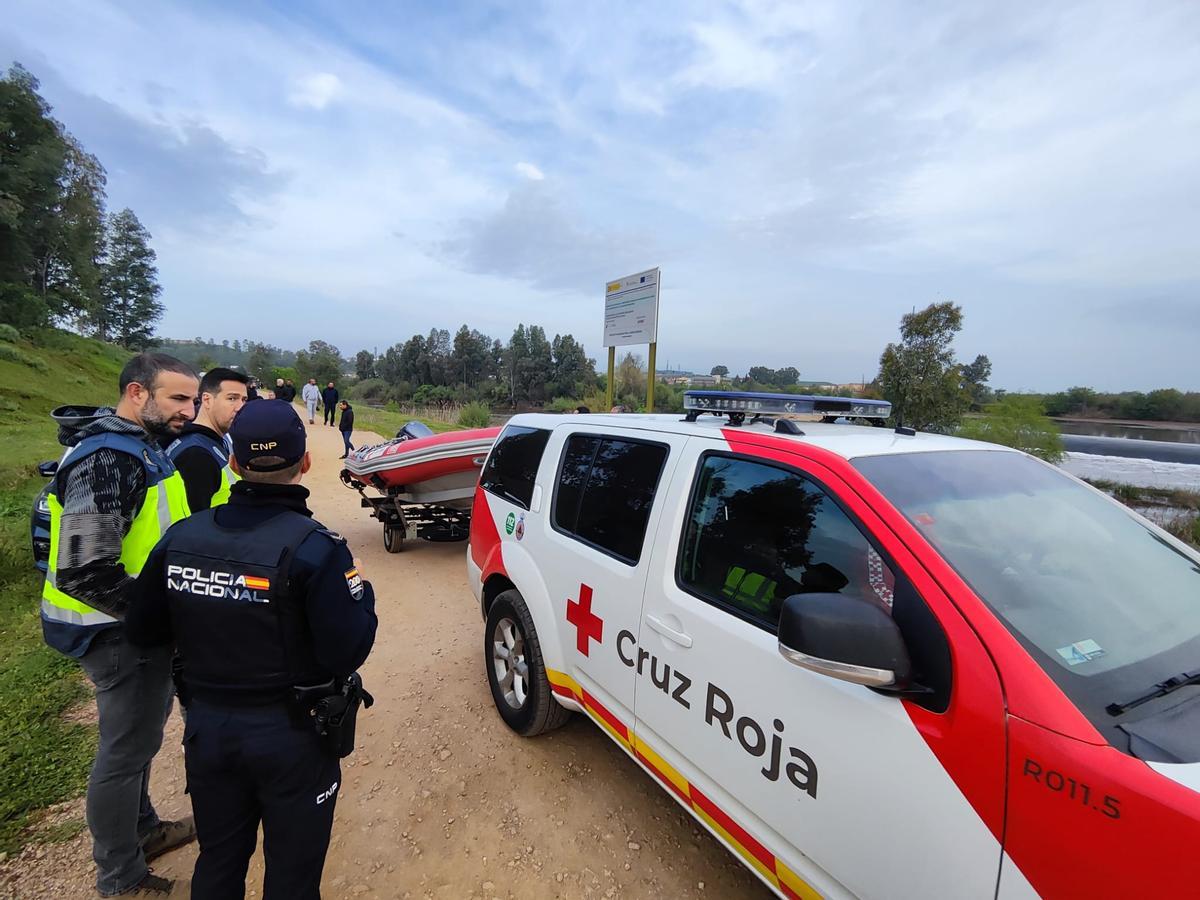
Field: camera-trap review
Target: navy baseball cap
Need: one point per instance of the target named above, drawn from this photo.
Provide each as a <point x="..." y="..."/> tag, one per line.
<point x="267" y="436"/>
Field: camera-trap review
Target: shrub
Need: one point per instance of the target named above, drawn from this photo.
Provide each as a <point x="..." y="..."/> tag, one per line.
<point x="12" y="354"/>
<point x="475" y="415"/>
<point x="370" y="389"/>
<point x="562" y="405"/>
<point x="1019" y="422"/>
<point x="9" y="334"/>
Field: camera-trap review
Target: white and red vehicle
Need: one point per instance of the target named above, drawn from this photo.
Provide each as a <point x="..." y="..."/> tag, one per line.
<point x="874" y="663"/>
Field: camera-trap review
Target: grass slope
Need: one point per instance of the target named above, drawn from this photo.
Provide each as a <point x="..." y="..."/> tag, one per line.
<point x="43" y="759"/>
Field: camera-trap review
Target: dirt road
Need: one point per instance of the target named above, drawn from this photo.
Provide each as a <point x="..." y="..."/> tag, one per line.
<point x="441" y="800"/>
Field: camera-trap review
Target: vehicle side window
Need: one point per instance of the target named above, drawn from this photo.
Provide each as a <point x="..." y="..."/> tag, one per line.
<point x="513" y="463"/>
<point x="605" y="491"/>
<point x="756" y="534"/>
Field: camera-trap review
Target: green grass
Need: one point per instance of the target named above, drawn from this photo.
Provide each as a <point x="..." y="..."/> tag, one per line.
<point x="387" y="422"/>
<point x="43" y="759"/>
<point x="1185" y="525"/>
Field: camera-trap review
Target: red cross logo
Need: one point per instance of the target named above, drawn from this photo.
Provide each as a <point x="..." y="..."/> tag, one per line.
<point x="588" y="625"/>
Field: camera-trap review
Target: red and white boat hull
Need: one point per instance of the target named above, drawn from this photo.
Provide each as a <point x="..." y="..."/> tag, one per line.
<point x="441" y="469"/>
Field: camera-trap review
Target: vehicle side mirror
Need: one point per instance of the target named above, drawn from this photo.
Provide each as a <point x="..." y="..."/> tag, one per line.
<point x="48" y="468"/>
<point x="844" y="636"/>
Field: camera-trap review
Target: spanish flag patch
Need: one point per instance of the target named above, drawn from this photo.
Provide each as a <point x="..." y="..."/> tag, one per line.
<point x="254" y="582"/>
<point x="355" y="583"/>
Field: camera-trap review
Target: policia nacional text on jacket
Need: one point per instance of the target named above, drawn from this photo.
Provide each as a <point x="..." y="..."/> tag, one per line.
<point x="257" y="598"/>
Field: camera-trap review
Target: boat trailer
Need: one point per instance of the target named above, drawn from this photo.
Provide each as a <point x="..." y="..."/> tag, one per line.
<point x="401" y="516"/>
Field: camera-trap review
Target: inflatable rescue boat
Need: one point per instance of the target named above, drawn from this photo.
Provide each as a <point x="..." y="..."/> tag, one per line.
<point x="419" y="466"/>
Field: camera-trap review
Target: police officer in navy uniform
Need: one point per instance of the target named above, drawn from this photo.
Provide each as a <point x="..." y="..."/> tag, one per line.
<point x="270" y="617"/>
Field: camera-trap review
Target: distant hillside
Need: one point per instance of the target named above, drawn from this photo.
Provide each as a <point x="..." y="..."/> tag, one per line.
<point x="205" y="354"/>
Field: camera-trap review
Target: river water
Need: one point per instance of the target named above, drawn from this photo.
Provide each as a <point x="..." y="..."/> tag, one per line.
<point x="1140" y="455"/>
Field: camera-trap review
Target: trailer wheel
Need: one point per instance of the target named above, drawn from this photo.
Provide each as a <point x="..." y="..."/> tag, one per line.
<point x="393" y="538"/>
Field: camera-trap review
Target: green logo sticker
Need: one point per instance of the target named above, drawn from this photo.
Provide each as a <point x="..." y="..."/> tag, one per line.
<point x="510" y="523"/>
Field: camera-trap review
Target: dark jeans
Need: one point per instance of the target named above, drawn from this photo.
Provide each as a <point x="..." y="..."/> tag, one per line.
<point x="330" y="412"/>
<point x="246" y="766"/>
<point x="133" y="697"/>
<point x="346" y="438"/>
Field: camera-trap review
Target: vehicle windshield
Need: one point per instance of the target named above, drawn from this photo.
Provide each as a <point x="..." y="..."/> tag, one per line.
<point x="1106" y="604"/>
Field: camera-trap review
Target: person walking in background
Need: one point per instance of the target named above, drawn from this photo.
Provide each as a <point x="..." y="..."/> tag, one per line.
<point x="252" y="390"/>
<point x="311" y="395"/>
<point x="280" y="390"/>
<point x="345" y="426"/>
<point x="114" y="495"/>
<point x="329" y="397"/>
<point x="289" y="390"/>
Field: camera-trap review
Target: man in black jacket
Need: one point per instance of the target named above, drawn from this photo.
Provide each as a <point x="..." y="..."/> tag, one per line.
<point x="201" y="452"/>
<point x="346" y="426"/>
<point x="258" y="599"/>
<point x="329" y="398"/>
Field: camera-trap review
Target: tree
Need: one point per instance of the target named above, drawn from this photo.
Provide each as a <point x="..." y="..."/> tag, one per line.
<point x="630" y="378"/>
<point x="974" y="380"/>
<point x="918" y="375"/>
<point x="787" y="376"/>
<point x="573" y="371"/>
<point x="321" y="361"/>
<point x="259" y="361"/>
<point x="70" y="262"/>
<point x="51" y="210"/>
<point x="364" y="365"/>
<point x="1164" y="405"/>
<point x="515" y="360"/>
<point x="471" y="356"/>
<point x="722" y="371"/>
<point x="538" y="369"/>
<point x="129" y="283"/>
<point x="414" y="360"/>
<point x="761" y="374"/>
<point x="439" y="368"/>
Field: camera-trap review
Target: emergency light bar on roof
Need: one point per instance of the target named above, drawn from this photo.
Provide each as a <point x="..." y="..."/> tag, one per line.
<point x="738" y="404"/>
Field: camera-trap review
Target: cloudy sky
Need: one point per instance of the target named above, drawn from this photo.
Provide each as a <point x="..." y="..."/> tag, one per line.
<point x="803" y="173"/>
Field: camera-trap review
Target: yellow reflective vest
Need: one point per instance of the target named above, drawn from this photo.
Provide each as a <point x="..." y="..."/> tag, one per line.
<point x="67" y="622"/>
<point x="220" y="453"/>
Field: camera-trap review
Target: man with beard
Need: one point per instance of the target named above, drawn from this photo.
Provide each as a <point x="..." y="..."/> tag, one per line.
<point x="201" y="453"/>
<point x="115" y="493"/>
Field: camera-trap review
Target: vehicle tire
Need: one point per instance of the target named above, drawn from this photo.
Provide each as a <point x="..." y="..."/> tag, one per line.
<point x="393" y="538"/>
<point x="516" y="674"/>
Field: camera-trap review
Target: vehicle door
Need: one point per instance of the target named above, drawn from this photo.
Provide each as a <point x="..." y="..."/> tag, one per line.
<point x="594" y="554"/>
<point x="820" y="784"/>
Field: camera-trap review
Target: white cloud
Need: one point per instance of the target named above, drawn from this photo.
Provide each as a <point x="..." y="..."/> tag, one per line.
<point x="315" y="91"/>
<point x="853" y="157"/>
<point x="530" y="171"/>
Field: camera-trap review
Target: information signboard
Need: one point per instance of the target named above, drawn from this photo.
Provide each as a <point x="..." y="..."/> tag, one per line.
<point x="631" y="309"/>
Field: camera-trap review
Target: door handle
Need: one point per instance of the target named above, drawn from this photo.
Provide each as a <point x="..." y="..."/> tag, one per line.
<point x="680" y="637"/>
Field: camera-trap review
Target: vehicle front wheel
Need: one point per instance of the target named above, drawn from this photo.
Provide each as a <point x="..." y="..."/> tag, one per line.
<point x="515" y="671"/>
